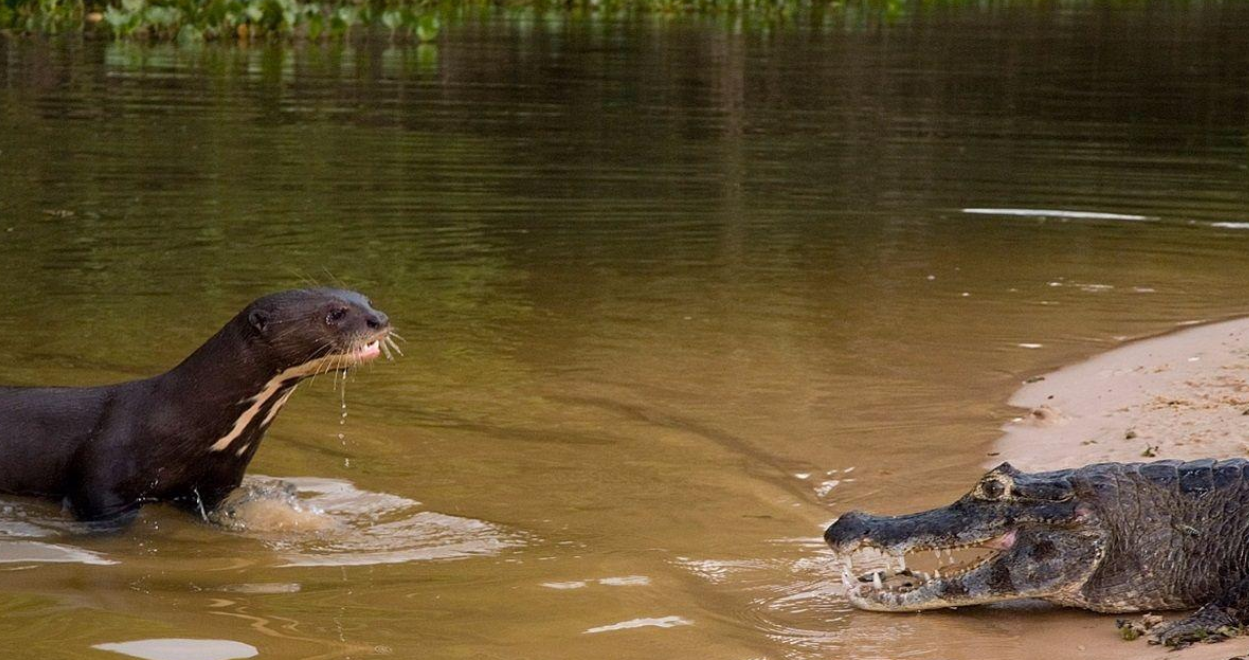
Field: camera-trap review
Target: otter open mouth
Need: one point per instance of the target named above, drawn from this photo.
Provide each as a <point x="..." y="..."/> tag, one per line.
<point x="369" y="351"/>
<point x="896" y="572"/>
<point x="380" y="344"/>
<point x="357" y="351"/>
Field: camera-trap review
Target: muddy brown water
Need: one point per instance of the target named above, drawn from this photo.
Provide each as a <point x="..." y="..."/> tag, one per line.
<point x="674" y="297"/>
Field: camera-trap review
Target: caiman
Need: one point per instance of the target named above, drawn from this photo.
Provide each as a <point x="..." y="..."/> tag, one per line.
<point x="1109" y="537"/>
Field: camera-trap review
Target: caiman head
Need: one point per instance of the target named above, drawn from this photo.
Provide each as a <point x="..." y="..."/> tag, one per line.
<point x="1015" y="535"/>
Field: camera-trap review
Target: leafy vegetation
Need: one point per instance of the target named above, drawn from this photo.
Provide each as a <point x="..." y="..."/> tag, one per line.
<point x="195" y="20"/>
<point x="418" y="20"/>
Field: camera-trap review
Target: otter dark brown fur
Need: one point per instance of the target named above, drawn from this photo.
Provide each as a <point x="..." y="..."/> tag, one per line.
<point x="187" y="435"/>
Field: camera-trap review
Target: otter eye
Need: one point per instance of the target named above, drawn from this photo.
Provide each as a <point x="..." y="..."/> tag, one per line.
<point x="992" y="489"/>
<point x="336" y="315"/>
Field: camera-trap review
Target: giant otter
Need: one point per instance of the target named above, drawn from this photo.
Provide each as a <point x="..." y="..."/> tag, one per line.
<point x="187" y="435"/>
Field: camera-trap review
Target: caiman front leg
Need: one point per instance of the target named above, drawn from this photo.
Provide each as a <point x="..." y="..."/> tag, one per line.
<point x="1215" y="622"/>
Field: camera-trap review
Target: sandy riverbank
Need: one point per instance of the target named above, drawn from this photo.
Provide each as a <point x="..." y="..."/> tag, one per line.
<point x="1183" y="395"/>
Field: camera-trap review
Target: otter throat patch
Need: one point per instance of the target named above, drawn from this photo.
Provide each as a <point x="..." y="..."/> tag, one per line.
<point x="271" y="389"/>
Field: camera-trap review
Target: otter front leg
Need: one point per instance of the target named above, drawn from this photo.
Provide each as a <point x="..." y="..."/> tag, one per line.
<point x="98" y="492"/>
<point x="1215" y="622"/>
<point x="102" y="510"/>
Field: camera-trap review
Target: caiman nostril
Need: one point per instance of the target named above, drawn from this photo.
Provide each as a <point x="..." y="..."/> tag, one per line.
<point x="850" y="527"/>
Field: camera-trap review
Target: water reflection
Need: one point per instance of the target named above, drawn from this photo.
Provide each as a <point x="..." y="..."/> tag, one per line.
<point x="269" y="64"/>
<point x="34" y="552"/>
<point x="182" y="649"/>
<point x="665" y="285"/>
<point x="647" y="622"/>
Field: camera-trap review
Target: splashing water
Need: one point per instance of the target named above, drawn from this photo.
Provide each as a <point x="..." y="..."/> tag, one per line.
<point x="353" y="527"/>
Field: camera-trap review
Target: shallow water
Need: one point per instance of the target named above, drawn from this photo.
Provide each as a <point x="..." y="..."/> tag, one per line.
<point x="674" y="298"/>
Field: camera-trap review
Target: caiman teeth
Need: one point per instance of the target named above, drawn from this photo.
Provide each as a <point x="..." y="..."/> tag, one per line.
<point x="896" y="579"/>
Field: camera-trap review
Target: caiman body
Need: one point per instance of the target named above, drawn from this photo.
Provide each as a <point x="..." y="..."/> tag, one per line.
<point x="1110" y="537"/>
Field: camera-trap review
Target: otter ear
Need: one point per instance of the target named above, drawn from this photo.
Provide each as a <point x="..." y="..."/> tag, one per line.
<point x="259" y="320"/>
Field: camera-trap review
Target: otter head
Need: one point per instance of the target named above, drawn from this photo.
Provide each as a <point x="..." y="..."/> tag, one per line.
<point x="309" y="331"/>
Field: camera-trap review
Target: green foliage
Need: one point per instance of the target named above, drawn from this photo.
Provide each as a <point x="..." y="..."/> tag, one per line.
<point x="190" y="21"/>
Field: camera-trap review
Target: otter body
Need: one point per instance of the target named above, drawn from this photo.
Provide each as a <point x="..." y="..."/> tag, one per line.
<point x="187" y="435"/>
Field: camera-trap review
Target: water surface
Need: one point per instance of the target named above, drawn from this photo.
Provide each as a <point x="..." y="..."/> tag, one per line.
<point x="674" y="298"/>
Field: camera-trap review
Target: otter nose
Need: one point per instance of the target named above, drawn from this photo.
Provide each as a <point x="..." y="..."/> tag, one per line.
<point x="847" y="529"/>
<point x="376" y="320"/>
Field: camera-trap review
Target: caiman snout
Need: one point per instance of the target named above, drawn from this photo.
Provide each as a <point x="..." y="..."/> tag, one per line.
<point x="847" y="530"/>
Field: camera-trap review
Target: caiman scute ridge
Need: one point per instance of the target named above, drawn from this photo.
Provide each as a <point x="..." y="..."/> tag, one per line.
<point x="1109" y="537"/>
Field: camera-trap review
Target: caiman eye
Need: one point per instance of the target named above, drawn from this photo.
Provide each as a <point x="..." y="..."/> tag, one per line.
<point x="336" y="315"/>
<point x="991" y="489"/>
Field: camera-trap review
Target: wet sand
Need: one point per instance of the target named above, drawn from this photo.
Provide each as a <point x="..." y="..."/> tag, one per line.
<point x="1183" y="395"/>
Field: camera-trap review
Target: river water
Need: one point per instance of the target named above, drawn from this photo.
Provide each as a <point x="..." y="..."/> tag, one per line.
<point x="674" y="297"/>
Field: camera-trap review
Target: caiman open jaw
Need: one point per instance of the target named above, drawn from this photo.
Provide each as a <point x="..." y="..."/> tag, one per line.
<point x="1109" y="537"/>
<point x="899" y="587"/>
<point x="1011" y="537"/>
